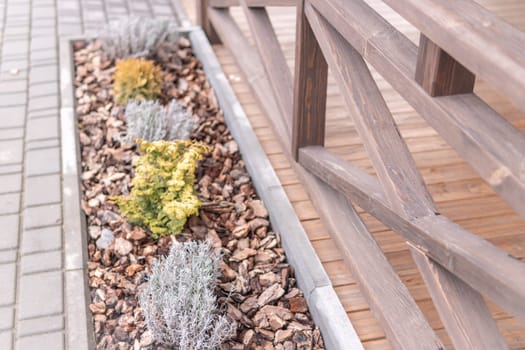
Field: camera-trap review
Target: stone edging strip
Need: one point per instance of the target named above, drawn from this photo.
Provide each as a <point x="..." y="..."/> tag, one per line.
<point x="79" y="325"/>
<point x="327" y="311"/>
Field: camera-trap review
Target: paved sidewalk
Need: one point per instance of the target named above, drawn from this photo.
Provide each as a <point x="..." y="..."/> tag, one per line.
<point x="32" y="295"/>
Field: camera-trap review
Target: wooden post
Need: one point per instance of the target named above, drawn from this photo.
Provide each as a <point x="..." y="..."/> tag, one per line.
<point x="311" y="76"/>
<point x="204" y="22"/>
<point x="439" y="73"/>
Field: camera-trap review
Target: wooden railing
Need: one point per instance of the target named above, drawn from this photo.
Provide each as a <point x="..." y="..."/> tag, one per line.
<point x="460" y="40"/>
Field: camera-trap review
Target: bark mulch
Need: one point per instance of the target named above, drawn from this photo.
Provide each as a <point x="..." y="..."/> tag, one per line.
<point x="257" y="288"/>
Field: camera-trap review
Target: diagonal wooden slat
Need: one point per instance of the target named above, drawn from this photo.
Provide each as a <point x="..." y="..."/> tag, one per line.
<point x="389" y="299"/>
<point x="467" y="123"/>
<point x="271" y="56"/>
<point x="459" y="305"/>
<point x="396" y="169"/>
<point x="399" y="177"/>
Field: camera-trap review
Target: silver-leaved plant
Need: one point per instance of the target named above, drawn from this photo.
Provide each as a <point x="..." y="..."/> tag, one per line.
<point x="179" y="122"/>
<point x="150" y="121"/>
<point x="136" y="36"/>
<point x="179" y="303"/>
<point x="146" y="120"/>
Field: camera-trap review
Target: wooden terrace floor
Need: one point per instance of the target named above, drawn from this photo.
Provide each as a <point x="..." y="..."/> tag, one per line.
<point x="458" y="191"/>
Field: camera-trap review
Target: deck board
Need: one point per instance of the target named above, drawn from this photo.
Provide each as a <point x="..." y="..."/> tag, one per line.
<point x="458" y="191"/>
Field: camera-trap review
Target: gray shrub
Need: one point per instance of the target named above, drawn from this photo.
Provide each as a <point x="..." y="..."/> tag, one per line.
<point x="146" y="120"/>
<point x="179" y="123"/>
<point x="149" y="120"/>
<point x="179" y="302"/>
<point x="136" y="36"/>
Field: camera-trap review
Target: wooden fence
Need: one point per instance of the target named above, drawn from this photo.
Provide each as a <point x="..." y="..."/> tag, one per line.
<point x="460" y="41"/>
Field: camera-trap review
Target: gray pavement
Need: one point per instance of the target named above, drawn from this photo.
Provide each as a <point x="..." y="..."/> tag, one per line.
<point x="32" y="259"/>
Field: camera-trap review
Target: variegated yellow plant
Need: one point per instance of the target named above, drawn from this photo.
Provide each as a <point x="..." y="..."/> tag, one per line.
<point x="163" y="197"/>
<point x="137" y="79"/>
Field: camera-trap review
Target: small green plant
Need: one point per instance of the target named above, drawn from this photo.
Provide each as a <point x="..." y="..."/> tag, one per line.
<point x="136" y="78"/>
<point x="179" y="302"/>
<point x="162" y="197"/>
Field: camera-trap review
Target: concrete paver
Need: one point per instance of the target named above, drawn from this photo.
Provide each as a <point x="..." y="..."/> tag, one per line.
<point x="42" y="190"/>
<point x="41" y="240"/>
<point x="48" y="300"/>
<point x="9" y="231"/>
<point x="7" y="287"/>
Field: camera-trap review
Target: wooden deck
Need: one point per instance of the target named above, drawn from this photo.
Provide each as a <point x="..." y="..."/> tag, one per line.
<point x="458" y="191"/>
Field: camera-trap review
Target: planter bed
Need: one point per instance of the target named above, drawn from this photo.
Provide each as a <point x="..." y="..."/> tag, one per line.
<point x="256" y="287"/>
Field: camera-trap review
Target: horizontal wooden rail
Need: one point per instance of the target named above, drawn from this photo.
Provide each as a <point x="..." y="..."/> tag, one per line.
<point x="467" y="123"/>
<point x="482" y="265"/>
<point x="251" y="3"/>
<point x="488" y="46"/>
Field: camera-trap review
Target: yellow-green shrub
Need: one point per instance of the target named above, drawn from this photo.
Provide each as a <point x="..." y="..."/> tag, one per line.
<point x="162" y="197"/>
<point x="138" y="79"/>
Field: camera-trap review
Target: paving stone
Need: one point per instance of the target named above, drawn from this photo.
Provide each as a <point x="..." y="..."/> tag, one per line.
<point x="35" y="301"/>
<point x="38" y="23"/>
<point x="13" y="99"/>
<point x="11" y="151"/>
<point x="42" y="128"/>
<point x="20" y="64"/>
<point x="16" y="10"/>
<point x="42" y="216"/>
<point x="40" y="325"/>
<point x="44" y="43"/>
<point x="16" y="31"/>
<point x="39" y="144"/>
<point x="42" y="113"/>
<point x="16" y="47"/>
<point x="43" y="54"/>
<point x="11" y="134"/>
<point x="44" y="12"/>
<point x="7" y="315"/>
<point x="6" y="340"/>
<point x="43" y="32"/>
<point x="8" y="77"/>
<point x="9" y="231"/>
<point x="70" y="28"/>
<point x="43" y="89"/>
<point x="14" y="86"/>
<point x="40" y="262"/>
<point x="12" y="116"/>
<point x="46" y="341"/>
<point x="43" y="102"/>
<point x="43" y="74"/>
<point x="42" y="161"/>
<point x="9" y="203"/>
<point x="10" y="183"/>
<point x="42" y="190"/>
<point x="8" y="256"/>
<point x="10" y="169"/>
<point x="41" y="239"/>
<point x="7" y="287"/>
